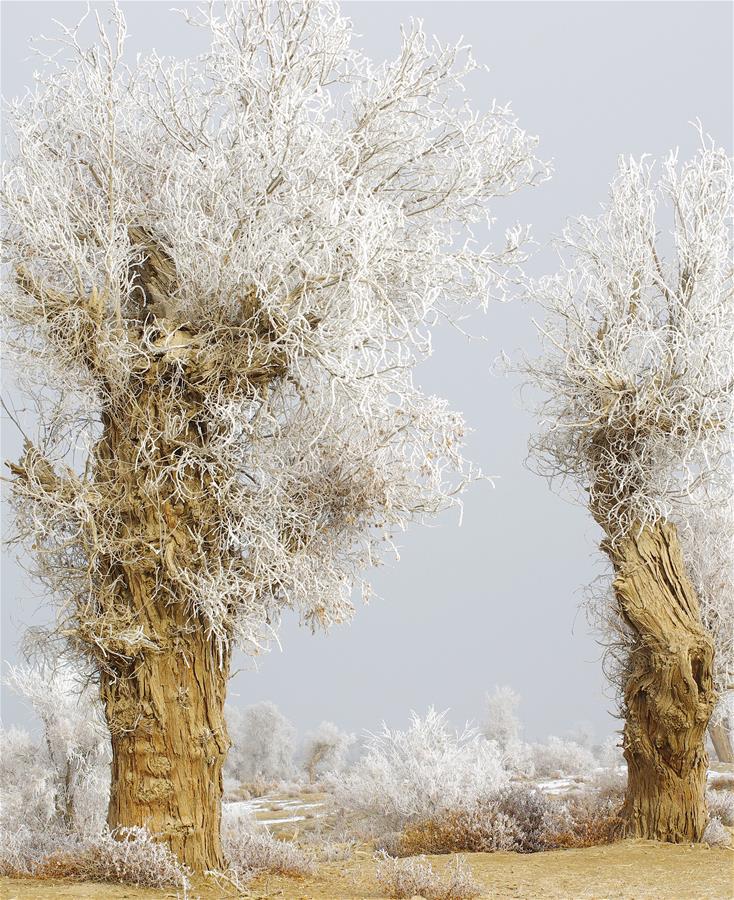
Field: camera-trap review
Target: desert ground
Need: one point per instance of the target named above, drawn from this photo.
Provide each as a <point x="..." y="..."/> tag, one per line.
<point x="631" y="869"/>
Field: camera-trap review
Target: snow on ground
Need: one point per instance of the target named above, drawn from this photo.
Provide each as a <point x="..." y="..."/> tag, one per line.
<point x="262" y="808"/>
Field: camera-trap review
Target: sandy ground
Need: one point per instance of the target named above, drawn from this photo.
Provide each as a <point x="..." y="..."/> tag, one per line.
<point x="634" y="870"/>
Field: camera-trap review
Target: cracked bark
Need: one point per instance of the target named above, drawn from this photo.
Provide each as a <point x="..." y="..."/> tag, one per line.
<point x="669" y="694"/>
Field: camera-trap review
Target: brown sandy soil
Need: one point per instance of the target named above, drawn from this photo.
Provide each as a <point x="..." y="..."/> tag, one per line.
<point x="632" y="870"/>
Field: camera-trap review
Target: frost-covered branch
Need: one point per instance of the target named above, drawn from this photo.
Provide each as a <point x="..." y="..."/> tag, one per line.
<point x="225" y="270"/>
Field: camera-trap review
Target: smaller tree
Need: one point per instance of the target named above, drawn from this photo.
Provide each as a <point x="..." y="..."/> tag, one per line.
<point x="72" y="761"/>
<point x="326" y="750"/>
<point x="501" y="722"/>
<point x="639" y="374"/>
<point x="26" y="783"/>
<point x="263" y="743"/>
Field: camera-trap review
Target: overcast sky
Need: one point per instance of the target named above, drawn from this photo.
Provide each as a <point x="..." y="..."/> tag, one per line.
<point x="497" y="600"/>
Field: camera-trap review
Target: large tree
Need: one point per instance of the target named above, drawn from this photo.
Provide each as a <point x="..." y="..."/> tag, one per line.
<point x="639" y="376"/>
<point x="224" y="272"/>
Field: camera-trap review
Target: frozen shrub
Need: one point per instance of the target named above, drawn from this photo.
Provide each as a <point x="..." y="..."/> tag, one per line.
<point x="516" y="818"/>
<point x="263" y="743"/>
<point x="249" y="790"/>
<point x="482" y="828"/>
<point x="593" y="819"/>
<point x="333" y="851"/>
<point x="27" y="783"/>
<point x="23" y="847"/>
<point x="124" y="856"/>
<point x="501" y="722"/>
<point x="406" y="776"/>
<point x="558" y="758"/>
<point x="326" y="750"/>
<point x="721" y="806"/>
<point x="716" y="834"/>
<point x="251" y="849"/>
<point x="534" y="813"/>
<point x="75" y="749"/>
<point x="517" y="758"/>
<point x="416" y="878"/>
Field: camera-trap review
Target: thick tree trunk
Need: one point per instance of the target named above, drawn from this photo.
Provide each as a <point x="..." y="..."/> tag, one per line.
<point x="164" y="675"/>
<point x="721" y="739"/>
<point x="169" y="743"/>
<point x="669" y="692"/>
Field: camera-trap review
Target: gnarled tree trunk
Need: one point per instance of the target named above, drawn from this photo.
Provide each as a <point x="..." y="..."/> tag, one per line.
<point x="169" y="743"/>
<point x="164" y="676"/>
<point x="669" y="693"/>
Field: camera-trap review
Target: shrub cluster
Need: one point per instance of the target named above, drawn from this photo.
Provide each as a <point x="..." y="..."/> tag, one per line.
<point x="720" y="805"/>
<point x="251" y="849"/>
<point x="517" y="819"/>
<point x="124" y="856"/>
<point x="716" y="834"/>
<point x="557" y="758"/>
<point x="416" y="878"/>
<point x="592" y="819"/>
<point x="407" y="776"/>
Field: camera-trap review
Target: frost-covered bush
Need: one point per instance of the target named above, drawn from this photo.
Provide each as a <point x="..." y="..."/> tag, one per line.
<point x="480" y="828"/>
<point x="406" y="776"/>
<point x="124" y="856"/>
<point x="71" y="762"/>
<point x="518" y="758"/>
<point x="24" y="845"/>
<point x="251" y="849"/>
<point x="591" y="819"/>
<point x="720" y="805"/>
<point x="557" y="758"/>
<point x="263" y="744"/>
<point x="326" y="750"/>
<point x="416" y="878"/>
<point x="516" y="818"/>
<point x="27" y="786"/>
<point x="501" y="722"/>
<point x="716" y="834"/>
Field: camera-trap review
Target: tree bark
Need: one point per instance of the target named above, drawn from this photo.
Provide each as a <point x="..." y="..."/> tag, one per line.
<point x="169" y="743"/>
<point x="669" y="693"/>
<point x="164" y="675"/>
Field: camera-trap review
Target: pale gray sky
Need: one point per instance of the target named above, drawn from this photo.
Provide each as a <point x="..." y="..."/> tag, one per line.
<point x="496" y="600"/>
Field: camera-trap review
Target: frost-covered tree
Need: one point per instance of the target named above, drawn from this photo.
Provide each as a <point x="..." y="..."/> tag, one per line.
<point x="223" y="273"/>
<point x="325" y="750"/>
<point x="263" y="743"/>
<point x="71" y="761"/>
<point x="501" y="722"/>
<point x="26" y="783"/>
<point x="639" y="376"/>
